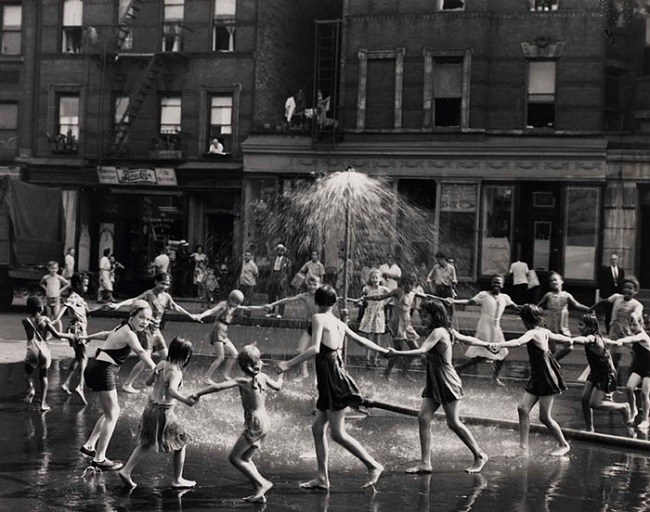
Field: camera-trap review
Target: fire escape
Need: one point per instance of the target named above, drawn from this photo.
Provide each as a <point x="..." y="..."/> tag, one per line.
<point x="325" y="125"/>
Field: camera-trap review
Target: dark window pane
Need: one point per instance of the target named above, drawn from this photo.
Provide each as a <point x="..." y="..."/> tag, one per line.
<point x="447" y="111"/>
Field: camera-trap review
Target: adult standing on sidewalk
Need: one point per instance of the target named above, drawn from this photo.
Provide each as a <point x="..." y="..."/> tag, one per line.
<point x="248" y="278"/>
<point x="105" y="290"/>
<point x="199" y="261"/>
<point x="314" y="268"/>
<point x="279" y="279"/>
<point x="610" y="279"/>
<point x="69" y="264"/>
<point x="442" y="277"/>
<point x="161" y="262"/>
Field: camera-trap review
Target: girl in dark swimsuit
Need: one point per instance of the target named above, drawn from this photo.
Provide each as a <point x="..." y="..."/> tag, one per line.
<point x="100" y="377"/>
<point x="336" y="389"/>
<point x="545" y="378"/>
<point x="602" y="374"/>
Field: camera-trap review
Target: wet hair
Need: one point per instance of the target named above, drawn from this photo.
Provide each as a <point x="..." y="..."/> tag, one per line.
<point x="532" y="315"/>
<point x="161" y="276"/>
<point x="137" y="306"/>
<point x="497" y="276"/>
<point x="555" y="274"/>
<point x="591" y="323"/>
<point x="441" y="254"/>
<point x="325" y="296"/>
<point x="52" y="263"/>
<point x="374" y="272"/>
<point x="77" y="283"/>
<point x="249" y="360"/>
<point x="34" y="305"/>
<point x="409" y="279"/>
<point x="236" y="294"/>
<point x="632" y="280"/>
<point x="180" y="351"/>
<point x="439" y="314"/>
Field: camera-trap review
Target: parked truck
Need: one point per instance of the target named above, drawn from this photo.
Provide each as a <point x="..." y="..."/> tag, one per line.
<point x="32" y="232"/>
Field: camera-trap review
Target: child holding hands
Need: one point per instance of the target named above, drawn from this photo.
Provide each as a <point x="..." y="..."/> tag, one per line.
<point x="159" y="426"/>
<point x="253" y="389"/>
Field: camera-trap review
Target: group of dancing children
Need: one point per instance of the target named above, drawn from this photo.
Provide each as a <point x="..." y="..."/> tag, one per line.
<point x="322" y="340"/>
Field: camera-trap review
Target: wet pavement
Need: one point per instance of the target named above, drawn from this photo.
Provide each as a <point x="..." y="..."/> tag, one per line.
<point x="40" y="469"/>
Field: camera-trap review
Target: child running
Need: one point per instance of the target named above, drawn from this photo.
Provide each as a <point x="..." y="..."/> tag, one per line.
<point x="557" y="303"/>
<point x="336" y="389"/>
<point x="602" y="376"/>
<point x="77" y="309"/>
<point x="38" y="356"/>
<point x="225" y="349"/>
<point x="305" y="299"/>
<point x="53" y="285"/>
<point x="640" y="370"/>
<point x="373" y="322"/>
<point x="443" y="386"/>
<point x="493" y="303"/>
<point x="545" y="378"/>
<point x="252" y="388"/>
<point x="159" y="426"/>
<point x="151" y="338"/>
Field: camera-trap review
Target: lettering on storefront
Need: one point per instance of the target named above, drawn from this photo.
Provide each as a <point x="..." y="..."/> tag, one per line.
<point x="160" y="176"/>
<point x="458" y="197"/>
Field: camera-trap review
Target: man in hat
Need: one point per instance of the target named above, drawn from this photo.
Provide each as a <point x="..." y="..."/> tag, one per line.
<point x="442" y="277"/>
<point x="279" y="279"/>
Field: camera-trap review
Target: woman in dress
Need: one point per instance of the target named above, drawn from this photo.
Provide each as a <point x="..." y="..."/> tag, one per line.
<point x="200" y="262"/>
<point x="336" y="389"/>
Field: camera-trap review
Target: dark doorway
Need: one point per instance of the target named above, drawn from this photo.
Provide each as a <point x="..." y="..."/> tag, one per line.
<point x="643" y="237"/>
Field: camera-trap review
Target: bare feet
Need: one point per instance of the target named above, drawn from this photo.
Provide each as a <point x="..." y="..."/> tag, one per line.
<point x="524" y="451"/>
<point x="254" y="499"/>
<point x="561" y="451"/>
<point x="478" y="464"/>
<point x="628" y="419"/>
<point x="45" y="407"/>
<point x="373" y="477"/>
<point x="182" y="483"/>
<point x="128" y="388"/>
<point x="259" y="496"/>
<point x="420" y="469"/>
<point x="644" y="425"/>
<point x="498" y="382"/>
<point x="79" y="390"/>
<point x="30" y="396"/>
<point x="127" y="480"/>
<point x="317" y="484"/>
<point x="66" y="388"/>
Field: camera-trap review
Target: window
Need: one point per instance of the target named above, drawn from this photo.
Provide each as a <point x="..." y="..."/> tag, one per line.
<point x="173" y="13"/>
<point x="170" y="122"/>
<point x="72" y="29"/>
<point x="544" y="5"/>
<point x="541" y="94"/>
<point x="646" y="49"/>
<point x="451" y="5"/>
<point x="121" y="104"/>
<point x="125" y="30"/>
<point x="447" y="93"/>
<point x="11" y="16"/>
<point x="221" y="121"/>
<point x="497" y="229"/>
<point x="68" y="116"/>
<point x="8" y="127"/>
<point x="581" y="232"/>
<point x="223" y="30"/>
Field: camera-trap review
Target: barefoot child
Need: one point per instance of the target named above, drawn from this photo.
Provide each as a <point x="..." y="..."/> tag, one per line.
<point x="77" y="309"/>
<point x="53" y="285"/>
<point x="305" y="299"/>
<point x="151" y="338"/>
<point x="493" y="303"/>
<point x="224" y="348"/>
<point x="373" y="322"/>
<point x="640" y="370"/>
<point x="38" y="356"/>
<point x="253" y="388"/>
<point x="602" y="375"/>
<point x="545" y="378"/>
<point x="443" y="386"/>
<point x="557" y="303"/>
<point x="159" y="426"/>
<point x="336" y="389"/>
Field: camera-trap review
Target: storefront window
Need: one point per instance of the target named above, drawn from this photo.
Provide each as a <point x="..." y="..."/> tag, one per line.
<point x="581" y="230"/>
<point x="497" y="229"/>
<point x="457" y="225"/>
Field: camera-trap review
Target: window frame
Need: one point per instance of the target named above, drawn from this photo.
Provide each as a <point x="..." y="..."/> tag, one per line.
<point x="597" y="230"/>
<point x="127" y="44"/>
<point x="67" y="31"/>
<point x="428" y="100"/>
<point x="13" y="130"/>
<point x="172" y="28"/>
<point x="59" y="96"/>
<point x="227" y="22"/>
<point x="227" y="147"/>
<point x="527" y="101"/>
<point x="161" y="97"/>
<point x="11" y="29"/>
<point x="205" y="95"/>
<point x="485" y="187"/>
<point x="440" y="6"/>
<point x="555" y="6"/>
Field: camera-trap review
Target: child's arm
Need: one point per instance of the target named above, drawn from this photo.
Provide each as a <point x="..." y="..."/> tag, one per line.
<point x="212" y="311"/>
<point x="57" y="334"/>
<point x="172" y="389"/>
<point x="364" y="342"/>
<point x="180" y="309"/>
<point x="560" y="338"/>
<point x="215" y="388"/>
<point x="43" y="283"/>
<point x="62" y="311"/>
<point x="427" y="345"/>
<point x="461" y="302"/>
<point x="275" y="384"/>
<point x="127" y="302"/>
<point x="577" y="305"/>
<point x="102" y="335"/>
<point x="635" y="338"/>
<point x="65" y="284"/>
<point x="311" y="351"/>
<point x="132" y="341"/>
<point x="152" y="376"/>
<point x="283" y="301"/>
<point x="598" y="304"/>
<point x="470" y="340"/>
<point x="517" y="342"/>
<point x="383" y="296"/>
<point x="542" y="303"/>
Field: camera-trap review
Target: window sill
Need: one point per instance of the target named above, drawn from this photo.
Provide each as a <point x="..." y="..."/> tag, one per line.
<point x="11" y="58"/>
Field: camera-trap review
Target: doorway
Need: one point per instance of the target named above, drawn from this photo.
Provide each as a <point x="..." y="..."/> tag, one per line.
<point x="219" y="229"/>
<point x="643" y="237"/>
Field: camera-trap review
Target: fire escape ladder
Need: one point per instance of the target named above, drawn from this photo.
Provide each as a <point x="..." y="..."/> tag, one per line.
<point x="154" y="66"/>
<point x="126" y="22"/>
<point x="326" y="77"/>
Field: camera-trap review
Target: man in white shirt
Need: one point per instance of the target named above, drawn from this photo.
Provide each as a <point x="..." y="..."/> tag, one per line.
<point x="519" y="271"/>
<point x="279" y="278"/>
<point x="248" y="277"/>
<point x="314" y="268"/>
<point x="390" y="272"/>
<point x="69" y="263"/>
<point x="162" y="261"/>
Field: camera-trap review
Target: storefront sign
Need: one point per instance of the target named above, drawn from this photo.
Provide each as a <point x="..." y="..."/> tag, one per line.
<point x="456" y="197"/>
<point x="164" y="177"/>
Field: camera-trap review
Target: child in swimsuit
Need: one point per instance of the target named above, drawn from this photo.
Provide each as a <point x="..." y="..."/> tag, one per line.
<point x="38" y="356"/>
<point x="252" y="388"/>
<point x="545" y="378"/>
<point x="224" y="348"/>
<point x="53" y="285"/>
<point x="159" y="426"/>
<point x="443" y="386"/>
<point x="602" y="374"/>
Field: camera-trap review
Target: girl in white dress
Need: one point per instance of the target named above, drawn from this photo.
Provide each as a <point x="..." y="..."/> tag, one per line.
<point x="373" y="322"/>
<point x="493" y="303"/>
